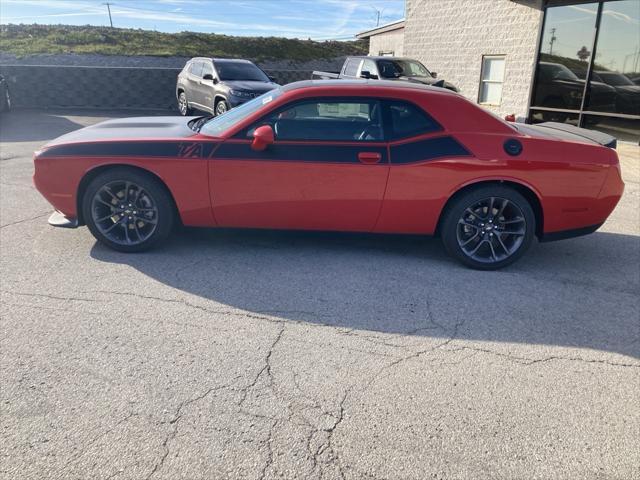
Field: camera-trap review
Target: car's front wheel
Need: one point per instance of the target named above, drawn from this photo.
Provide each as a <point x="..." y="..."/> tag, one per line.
<point x="128" y="210"/>
<point x="489" y="227"/>
<point x="221" y="107"/>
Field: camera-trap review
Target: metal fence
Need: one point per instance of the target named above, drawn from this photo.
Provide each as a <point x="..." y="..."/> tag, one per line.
<point x="103" y="87"/>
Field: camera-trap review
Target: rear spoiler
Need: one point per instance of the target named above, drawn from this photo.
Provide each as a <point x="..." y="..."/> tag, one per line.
<point x="593" y="135"/>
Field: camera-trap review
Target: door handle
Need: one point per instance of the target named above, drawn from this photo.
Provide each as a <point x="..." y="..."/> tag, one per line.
<point x="370" y="158"/>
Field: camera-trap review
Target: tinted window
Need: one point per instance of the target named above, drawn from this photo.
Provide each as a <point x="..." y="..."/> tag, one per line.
<point x="327" y="120"/>
<point x="617" y="62"/>
<point x="565" y="52"/>
<point x="240" y="71"/>
<point x="196" y="69"/>
<point x="351" y="68"/>
<point x="407" y="120"/>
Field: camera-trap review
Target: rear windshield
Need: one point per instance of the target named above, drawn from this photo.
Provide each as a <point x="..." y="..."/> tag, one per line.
<point x="240" y="71"/>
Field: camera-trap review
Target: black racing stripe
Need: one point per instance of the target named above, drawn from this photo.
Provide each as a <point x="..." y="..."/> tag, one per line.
<point x="132" y="149"/>
<point x="428" y="149"/>
<point x="300" y="153"/>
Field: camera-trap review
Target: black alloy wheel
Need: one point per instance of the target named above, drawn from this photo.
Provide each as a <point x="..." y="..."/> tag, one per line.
<point x="127" y="210"/>
<point x="488" y="228"/>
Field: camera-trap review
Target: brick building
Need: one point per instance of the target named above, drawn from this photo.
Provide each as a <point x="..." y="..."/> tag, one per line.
<point x="546" y="60"/>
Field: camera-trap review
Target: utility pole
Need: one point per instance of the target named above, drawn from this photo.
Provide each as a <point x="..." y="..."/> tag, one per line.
<point x="552" y="40"/>
<point x="109" y="10"/>
<point x="378" y="12"/>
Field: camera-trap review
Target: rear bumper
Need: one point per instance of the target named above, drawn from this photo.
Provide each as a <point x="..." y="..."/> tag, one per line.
<point x="564" y="234"/>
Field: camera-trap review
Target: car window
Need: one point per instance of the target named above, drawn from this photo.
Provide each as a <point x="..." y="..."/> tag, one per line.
<point x="196" y="69"/>
<point x="207" y="69"/>
<point x="351" y="68"/>
<point x="402" y="68"/>
<point x="407" y="120"/>
<point x="240" y="71"/>
<point x="327" y="120"/>
<point x="369" y="66"/>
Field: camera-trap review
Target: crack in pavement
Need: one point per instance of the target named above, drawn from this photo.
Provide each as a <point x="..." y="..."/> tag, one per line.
<point x="25" y="220"/>
<point x="174" y="422"/>
<point x="534" y="361"/>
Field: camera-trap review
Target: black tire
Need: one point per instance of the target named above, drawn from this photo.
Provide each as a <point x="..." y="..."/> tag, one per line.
<point x="494" y="220"/>
<point x="183" y="105"/>
<point x="221" y="107"/>
<point x="5" y="101"/>
<point x="153" y="205"/>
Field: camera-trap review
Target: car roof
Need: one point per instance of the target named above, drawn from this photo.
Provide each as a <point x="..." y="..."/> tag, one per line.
<point x="383" y="57"/>
<point x="386" y="84"/>
<point x="222" y="60"/>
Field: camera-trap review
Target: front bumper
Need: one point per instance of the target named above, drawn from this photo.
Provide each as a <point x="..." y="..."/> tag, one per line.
<point x="58" y="219"/>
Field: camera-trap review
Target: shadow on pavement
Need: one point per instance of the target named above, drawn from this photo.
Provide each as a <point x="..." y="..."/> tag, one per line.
<point x="577" y="293"/>
<point x="33" y="125"/>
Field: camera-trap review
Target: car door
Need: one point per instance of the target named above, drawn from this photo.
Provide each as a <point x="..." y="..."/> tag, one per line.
<point x="194" y="93"/>
<point x="207" y="86"/>
<point x="326" y="170"/>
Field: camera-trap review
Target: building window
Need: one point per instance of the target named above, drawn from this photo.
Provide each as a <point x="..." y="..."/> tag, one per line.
<point x="491" y="80"/>
<point x="588" y="70"/>
<point x="386" y="53"/>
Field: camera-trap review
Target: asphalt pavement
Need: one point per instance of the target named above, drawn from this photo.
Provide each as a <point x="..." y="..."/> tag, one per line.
<point x="248" y="355"/>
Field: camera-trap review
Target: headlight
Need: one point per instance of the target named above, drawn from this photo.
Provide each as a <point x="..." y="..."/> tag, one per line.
<point x="241" y="94"/>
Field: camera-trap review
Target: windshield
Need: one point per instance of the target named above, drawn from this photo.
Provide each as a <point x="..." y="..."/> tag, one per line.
<point x="240" y="71"/>
<point x="402" y="68"/>
<point x="560" y="72"/>
<point x="218" y="125"/>
<point x="615" y="79"/>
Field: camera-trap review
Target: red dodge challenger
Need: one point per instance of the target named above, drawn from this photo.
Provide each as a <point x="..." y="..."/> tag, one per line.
<point x="361" y="156"/>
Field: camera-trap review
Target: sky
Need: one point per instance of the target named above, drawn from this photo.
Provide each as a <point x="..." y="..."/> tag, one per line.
<point x="316" y="19"/>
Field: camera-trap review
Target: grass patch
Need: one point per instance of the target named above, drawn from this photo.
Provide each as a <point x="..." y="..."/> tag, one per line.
<point x="22" y="40"/>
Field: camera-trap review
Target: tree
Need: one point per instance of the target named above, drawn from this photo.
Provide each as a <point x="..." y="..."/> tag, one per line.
<point x="583" y="53"/>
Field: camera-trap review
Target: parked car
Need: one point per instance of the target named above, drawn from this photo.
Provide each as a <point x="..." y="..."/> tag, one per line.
<point x="627" y="92"/>
<point x="5" y="96"/>
<point x="558" y="87"/>
<point x="215" y="85"/>
<point x="371" y="156"/>
<point x="386" y="68"/>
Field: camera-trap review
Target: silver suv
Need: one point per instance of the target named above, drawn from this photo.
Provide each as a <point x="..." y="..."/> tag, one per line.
<point x="215" y="85"/>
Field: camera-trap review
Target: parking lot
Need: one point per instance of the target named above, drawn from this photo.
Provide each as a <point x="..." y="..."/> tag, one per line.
<point x="255" y="354"/>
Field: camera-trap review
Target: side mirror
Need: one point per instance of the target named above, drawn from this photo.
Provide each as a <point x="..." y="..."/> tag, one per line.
<point x="273" y="79"/>
<point x="207" y="76"/>
<point x="262" y="138"/>
<point x="434" y="74"/>
<point x="365" y="74"/>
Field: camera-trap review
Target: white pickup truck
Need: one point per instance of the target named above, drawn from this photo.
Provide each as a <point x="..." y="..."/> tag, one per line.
<point x="385" y="68"/>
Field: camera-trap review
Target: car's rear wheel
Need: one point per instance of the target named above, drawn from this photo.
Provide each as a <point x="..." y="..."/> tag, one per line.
<point x="128" y="210"/>
<point x="489" y="227"/>
<point x="221" y="107"/>
<point x="183" y="105"/>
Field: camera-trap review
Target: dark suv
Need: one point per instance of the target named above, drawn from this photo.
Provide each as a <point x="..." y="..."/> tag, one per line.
<point x="215" y="85"/>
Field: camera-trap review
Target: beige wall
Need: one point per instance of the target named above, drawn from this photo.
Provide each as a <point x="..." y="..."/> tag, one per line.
<point x="387" y="41"/>
<point x="451" y="36"/>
